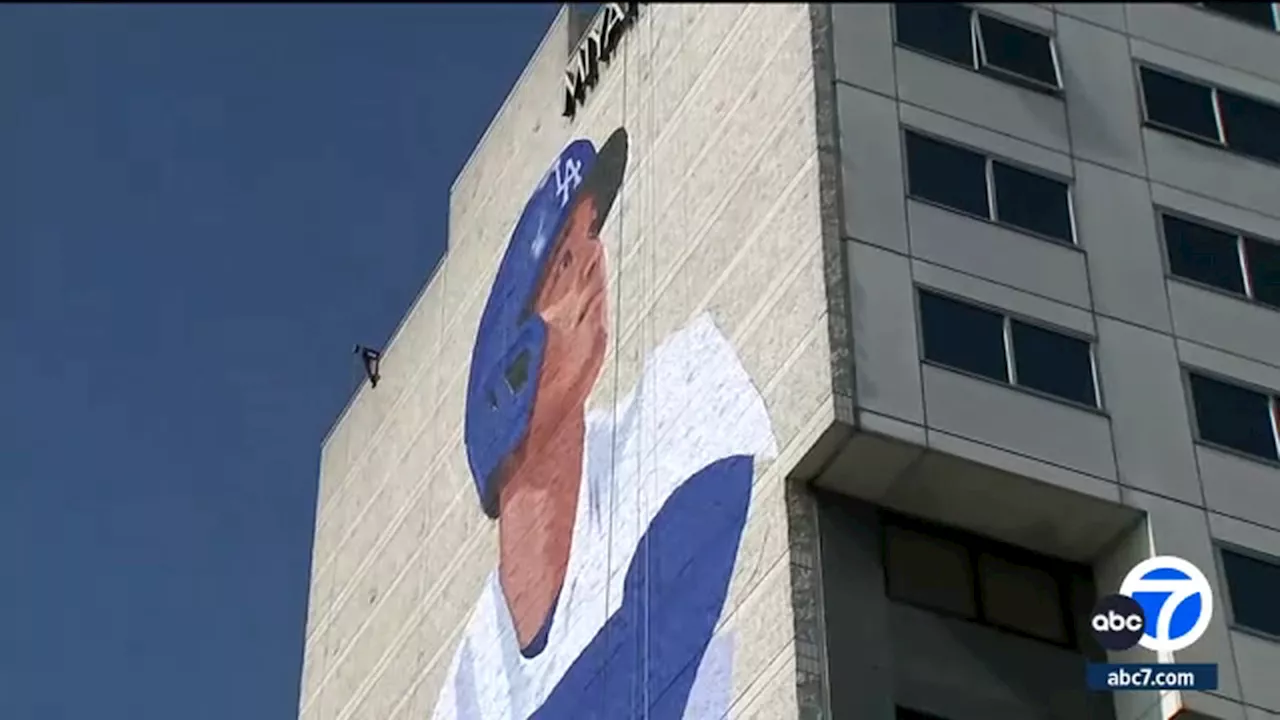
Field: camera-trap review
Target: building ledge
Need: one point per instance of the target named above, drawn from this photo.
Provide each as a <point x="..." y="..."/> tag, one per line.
<point x="927" y="475"/>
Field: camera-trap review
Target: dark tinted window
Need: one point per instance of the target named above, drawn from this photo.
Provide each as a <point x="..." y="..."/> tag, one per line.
<point x="1253" y="585"/>
<point x="1032" y="202"/>
<point x="1178" y="104"/>
<point x="1021" y="598"/>
<point x="1053" y="363"/>
<point x="940" y="29"/>
<point x="962" y="336"/>
<point x="1203" y="254"/>
<point x="1016" y="50"/>
<point x="946" y="174"/>
<point x="929" y="571"/>
<point x="1264" y="270"/>
<point x="964" y="575"/>
<point x="1254" y="13"/>
<point x="1251" y="127"/>
<point x="1233" y="417"/>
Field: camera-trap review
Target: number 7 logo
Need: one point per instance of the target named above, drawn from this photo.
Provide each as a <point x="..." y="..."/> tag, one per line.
<point x="1176" y="599"/>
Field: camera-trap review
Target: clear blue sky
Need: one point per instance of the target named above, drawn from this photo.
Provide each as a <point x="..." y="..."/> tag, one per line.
<point x="201" y="209"/>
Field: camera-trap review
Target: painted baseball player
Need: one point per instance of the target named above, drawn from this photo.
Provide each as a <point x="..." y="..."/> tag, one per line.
<point x="618" y="529"/>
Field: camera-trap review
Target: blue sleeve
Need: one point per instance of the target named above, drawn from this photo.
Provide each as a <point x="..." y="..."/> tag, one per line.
<point x="648" y="653"/>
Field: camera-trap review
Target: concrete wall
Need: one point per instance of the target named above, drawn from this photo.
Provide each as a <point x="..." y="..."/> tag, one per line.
<point x="719" y="213"/>
<point x="1139" y="450"/>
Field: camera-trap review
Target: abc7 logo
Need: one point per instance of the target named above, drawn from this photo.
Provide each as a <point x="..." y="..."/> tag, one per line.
<point x="1164" y="604"/>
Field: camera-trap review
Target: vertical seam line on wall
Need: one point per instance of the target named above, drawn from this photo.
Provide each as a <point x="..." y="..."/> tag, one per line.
<point x="1095" y="350"/>
<point x="917" y="318"/>
<point x="1188" y="402"/>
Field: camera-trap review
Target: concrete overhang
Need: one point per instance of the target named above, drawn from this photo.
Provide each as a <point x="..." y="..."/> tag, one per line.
<point x="933" y="484"/>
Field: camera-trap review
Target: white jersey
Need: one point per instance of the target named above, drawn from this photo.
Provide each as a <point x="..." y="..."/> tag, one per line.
<point x="695" y="404"/>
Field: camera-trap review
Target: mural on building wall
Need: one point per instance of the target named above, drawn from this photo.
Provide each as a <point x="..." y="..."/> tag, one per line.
<point x="618" y="529"/>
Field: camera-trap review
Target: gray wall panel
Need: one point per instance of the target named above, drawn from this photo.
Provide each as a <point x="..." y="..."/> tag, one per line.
<point x="864" y="46"/>
<point x="998" y="254"/>
<point x="975" y="98"/>
<point x="1019" y="422"/>
<point x="872" y="168"/>
<point x="1148" y="326"/>
<point x="886" y="359"/>
<point x="1141" y="383"/>
<point x="1117" y="230"/>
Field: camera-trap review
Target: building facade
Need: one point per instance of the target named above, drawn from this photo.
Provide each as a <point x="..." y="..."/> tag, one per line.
<point x="826" y="361"/>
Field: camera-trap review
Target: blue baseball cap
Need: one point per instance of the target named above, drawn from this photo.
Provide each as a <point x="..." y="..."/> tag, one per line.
<point x="507" y="356"/>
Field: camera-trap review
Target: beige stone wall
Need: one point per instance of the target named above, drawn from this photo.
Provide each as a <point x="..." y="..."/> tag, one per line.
<point x="719" y="213"/>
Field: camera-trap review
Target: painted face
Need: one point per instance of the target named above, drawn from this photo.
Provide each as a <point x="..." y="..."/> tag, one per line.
<point x="539" y="498"/>
<point x="573" y="302"/>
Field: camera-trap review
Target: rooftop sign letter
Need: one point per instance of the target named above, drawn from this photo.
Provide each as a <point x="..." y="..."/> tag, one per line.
<point x="597" y="47"/>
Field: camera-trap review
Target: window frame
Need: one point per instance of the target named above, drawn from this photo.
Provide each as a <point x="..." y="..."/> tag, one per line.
<point x="1064" y="573"/>
<point x="979" y="64"/>
<point x="986" y="172"/>
<point x="1224" y="583"/>
<point x="1273" y="405"/>
<point x="1072" y="240"/>
<point x="1007" y="318"/>
<point x="1215" y="93"/>
<point x="989" y="160"/>
<point x="1219" y="141"/>
<point x="1242" y="255"/>
<point x="1275" y="16"/>
<point x="985" y="67"/>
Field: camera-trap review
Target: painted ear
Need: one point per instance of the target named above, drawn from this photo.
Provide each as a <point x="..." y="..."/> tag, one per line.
<point x="499" y="422"/>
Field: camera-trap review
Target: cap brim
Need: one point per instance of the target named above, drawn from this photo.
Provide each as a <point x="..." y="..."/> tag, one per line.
<point x="607" y="173"/>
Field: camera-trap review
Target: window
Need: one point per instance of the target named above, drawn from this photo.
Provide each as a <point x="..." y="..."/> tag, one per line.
<point x="964" y="180"/>
<point x="1032" y="202"/>
<point x="1261" y="14"/>
<point x="978" y="41"/>
<point x="1203" y="254"/>
<point x="1023" y="598"/>
<point x="1250" y="126"/>
<point x="1208" y="113"/>
<point x="1223" y="259"/>
<point x="1263" y="261"/>
<point x="995" y="346"/>
<point x="1234" y="417"/>
<point x="948" y="175"/>
<point x="1253" y="585"/>
<point x="976" y="579"/>
<point x="963" y="336"/>
<point x="1176" y="104"/>
<point x="941" y="29"/>
<point x="1022" y="53"/>
<point x="929" y="571"/>
<point x="1053" y="363"/>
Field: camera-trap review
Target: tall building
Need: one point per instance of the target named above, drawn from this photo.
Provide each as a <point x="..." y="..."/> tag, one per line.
<point x="826" y="361"/>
